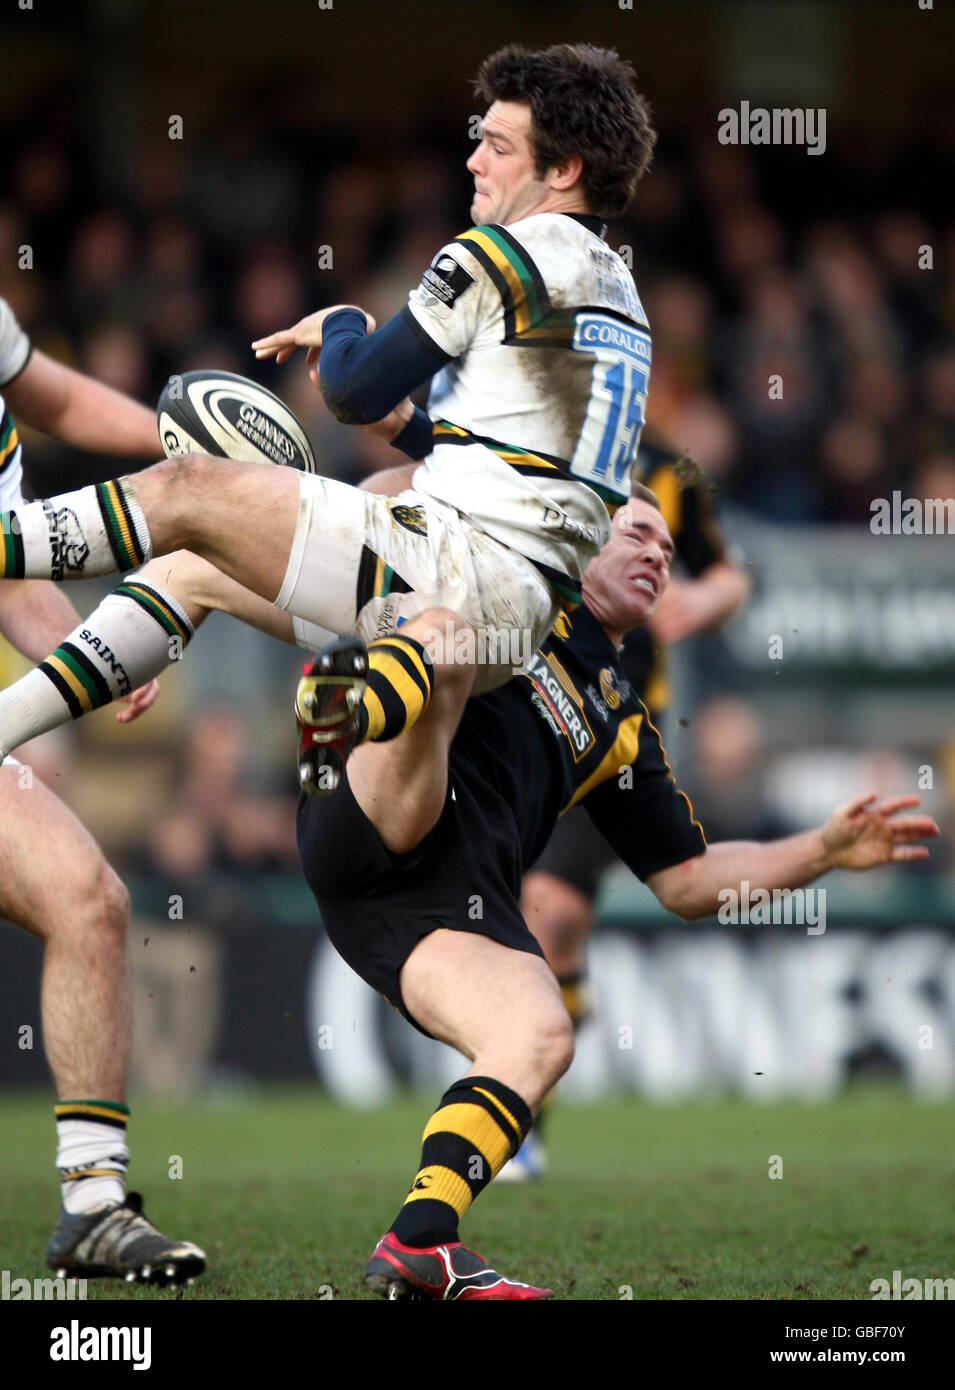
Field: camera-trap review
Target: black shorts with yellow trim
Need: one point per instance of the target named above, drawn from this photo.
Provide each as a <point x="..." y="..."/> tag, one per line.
<point x="376" y="905"/>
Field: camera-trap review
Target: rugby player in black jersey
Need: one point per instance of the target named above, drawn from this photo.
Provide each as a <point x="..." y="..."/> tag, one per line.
<point x="416" y="866"/>
<point x="559" y="895"/>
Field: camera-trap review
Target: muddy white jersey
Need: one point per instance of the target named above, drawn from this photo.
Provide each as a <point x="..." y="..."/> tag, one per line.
<point x="539" y="408"/>
<point x="14" y="355"/>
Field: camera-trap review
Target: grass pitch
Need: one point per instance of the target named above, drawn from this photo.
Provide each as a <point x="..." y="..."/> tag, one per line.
<point x="287" y="1193"/>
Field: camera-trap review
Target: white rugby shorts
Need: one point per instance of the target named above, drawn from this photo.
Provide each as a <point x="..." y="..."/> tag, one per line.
<point x="360" y="562"/>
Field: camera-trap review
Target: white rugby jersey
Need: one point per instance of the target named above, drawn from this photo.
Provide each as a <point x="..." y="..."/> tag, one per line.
<point x="539" y="410"/>
<point x="14" y="355"/>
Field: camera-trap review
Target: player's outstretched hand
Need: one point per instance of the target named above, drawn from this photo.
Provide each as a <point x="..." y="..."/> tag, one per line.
<point x="307" y="333"/>
<point x="138" y="703"/>
<point x="866" y="832"/>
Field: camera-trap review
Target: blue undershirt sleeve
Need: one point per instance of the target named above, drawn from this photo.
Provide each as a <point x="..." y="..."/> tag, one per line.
<point x="364" y="375"/>
<point x="416" y="439"/>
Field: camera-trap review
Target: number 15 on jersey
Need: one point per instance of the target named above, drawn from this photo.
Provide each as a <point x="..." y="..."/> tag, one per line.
<point x="608" y="441"/>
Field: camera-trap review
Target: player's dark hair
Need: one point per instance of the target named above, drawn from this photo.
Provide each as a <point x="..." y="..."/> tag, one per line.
<point x="583" y="102"/>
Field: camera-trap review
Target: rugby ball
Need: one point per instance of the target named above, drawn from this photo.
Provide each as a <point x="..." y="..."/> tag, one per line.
<point x="231" y="417"/>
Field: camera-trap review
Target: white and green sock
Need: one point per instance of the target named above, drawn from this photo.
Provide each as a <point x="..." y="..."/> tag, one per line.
<point x="91" y="1154"/>
<point x="129" y="639"/>
<point x="100" y="529"/>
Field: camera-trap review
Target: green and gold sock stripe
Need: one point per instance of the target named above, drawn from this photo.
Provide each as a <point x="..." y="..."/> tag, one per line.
<point x="168" y="615"/>
<point x="108" y="1112"/>
<point x="120" y="527"/>
<point x="79" y="1174"/>
<point x="13" y="562"/>
<point x="513" y="273"/>
<point x="9" y="438"/>
<point x="77" y="680"/>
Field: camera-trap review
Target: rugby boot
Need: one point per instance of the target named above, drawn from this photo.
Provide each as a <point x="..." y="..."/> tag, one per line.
<point x="328" y="710"/>
<point x="439" y="1272"/>
<point x="115" y="1239"/>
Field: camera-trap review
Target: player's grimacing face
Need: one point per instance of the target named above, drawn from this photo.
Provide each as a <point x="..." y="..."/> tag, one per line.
<point x="506" y="186"/>
<point x="629" y="575"/>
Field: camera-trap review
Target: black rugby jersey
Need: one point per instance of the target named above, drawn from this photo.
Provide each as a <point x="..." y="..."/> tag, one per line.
<point x="570" y="730"/>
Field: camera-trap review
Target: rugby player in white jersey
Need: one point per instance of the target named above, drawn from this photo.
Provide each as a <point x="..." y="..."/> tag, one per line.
<point x="80" y="911"/>
<point x="533" y="337"/>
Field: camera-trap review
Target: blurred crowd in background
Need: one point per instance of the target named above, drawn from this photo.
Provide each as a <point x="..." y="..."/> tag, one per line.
<point x="746" y="271"/>
<point x="835" y="274"/>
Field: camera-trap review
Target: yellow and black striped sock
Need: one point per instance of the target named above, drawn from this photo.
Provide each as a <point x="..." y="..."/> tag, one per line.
<point x="478" y="1126"/>
<point x="400" y="681"/>
<point x="92" y="1156"/>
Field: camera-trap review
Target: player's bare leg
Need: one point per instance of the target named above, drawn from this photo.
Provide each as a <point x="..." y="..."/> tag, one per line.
<point x="82" y="916"/>
<point x="240" y="516"/>
<point x="561" y="917"/>
<point x="502" y="1008"/>
<point x="201" y="588"/>
<point x="401" y="785"/>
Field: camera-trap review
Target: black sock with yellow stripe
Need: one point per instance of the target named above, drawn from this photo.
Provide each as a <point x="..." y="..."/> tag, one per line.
<point x="400" y="681"/>
<point x="478" y="1126"/>
<point x="91" y="1156"/>
<point x="128" y="640"/>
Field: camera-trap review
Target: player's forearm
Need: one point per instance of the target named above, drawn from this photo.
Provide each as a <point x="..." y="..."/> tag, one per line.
<point x="101" y="420"/>
<point x="693" y="888"/>
<point x="80" y="411"/>
<point x="35" y="616"/>
<point x="364" y="376"/>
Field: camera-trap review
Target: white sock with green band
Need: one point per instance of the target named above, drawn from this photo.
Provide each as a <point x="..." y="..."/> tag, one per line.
<point x="98" y="530"/>
<point x="91" y="1155"/>
<point x="129" y="639"/>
